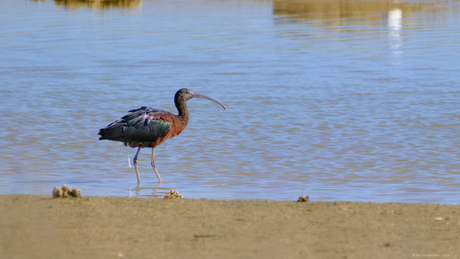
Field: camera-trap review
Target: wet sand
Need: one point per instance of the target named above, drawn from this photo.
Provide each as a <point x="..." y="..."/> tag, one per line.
<point x="114" y="227"/>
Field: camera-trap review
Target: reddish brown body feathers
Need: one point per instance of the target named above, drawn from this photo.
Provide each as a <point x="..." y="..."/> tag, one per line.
<point x="177" y="125"/>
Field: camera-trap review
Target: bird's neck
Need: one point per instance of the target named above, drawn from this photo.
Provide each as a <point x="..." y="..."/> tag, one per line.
<point x="183" y="111"/>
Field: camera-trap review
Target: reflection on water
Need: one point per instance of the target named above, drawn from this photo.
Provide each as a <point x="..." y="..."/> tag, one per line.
<point x="325" y="9"/>
<point x="99" y="4"/>
<point x="356" y="9"/>
<point x="339" y="100"/>
<point x="394" y="33"/>
<point x="149" y="192"/>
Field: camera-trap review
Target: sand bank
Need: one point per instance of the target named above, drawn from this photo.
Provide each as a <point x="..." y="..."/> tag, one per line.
<point x="114" y="227"/>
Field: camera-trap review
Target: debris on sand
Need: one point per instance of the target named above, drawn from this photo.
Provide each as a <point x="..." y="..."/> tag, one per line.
<point x="65" y="192"/>
<point x="173" y="194"/>
<point x="303" y="198"/>
<point x="57" y="192"/>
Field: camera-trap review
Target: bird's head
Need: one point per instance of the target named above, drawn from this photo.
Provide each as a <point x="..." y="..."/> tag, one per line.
<point x="185" y="94"/>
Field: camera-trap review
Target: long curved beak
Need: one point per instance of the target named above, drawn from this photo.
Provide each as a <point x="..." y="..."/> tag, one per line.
<point x="208" y="98"/>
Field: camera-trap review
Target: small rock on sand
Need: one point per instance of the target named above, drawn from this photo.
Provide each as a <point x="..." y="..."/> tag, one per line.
<point x="304" y="198"/>
<point x="173" y="194"/>
<point x="65" y="192"/>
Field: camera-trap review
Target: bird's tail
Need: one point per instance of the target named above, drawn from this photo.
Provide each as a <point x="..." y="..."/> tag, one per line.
<point x="112" y="132"/>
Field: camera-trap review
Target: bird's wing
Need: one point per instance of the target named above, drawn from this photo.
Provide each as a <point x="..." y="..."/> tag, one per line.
<point x="141" y="126"/>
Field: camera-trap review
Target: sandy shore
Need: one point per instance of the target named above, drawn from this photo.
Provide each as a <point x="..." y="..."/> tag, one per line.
<point x="113" y="227"/>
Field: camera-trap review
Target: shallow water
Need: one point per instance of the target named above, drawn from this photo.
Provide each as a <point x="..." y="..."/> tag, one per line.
<point x="357" y="101"/>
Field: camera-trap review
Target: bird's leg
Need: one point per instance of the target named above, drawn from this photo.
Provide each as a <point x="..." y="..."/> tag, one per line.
<point x="154" y="166"/>
<point x="135" y="166"/>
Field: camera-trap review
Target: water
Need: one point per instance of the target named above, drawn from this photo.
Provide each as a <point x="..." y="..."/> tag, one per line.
<point x="358" y="101"/>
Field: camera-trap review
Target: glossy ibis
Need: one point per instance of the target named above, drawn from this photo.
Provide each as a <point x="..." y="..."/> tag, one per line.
<point x="147" y="127"/>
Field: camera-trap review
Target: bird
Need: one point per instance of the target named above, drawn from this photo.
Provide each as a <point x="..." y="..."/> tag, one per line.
<point x="146" y="127"/>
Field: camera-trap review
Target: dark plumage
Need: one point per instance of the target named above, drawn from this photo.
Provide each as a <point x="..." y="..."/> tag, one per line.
<point x="148" y="127"/>
<point x="143" y="126"/>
